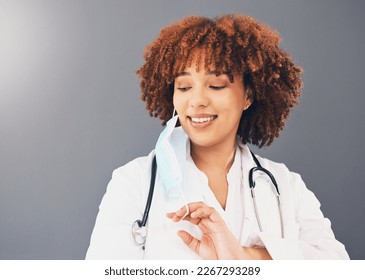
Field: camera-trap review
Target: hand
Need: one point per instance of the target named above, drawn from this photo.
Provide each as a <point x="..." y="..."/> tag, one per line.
<point x="217" y="241"/>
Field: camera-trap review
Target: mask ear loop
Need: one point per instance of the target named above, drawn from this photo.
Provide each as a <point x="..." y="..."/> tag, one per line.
<point x="181" y="190"/>
<point x="174" y="113"/>
<point x="186" y="205"/>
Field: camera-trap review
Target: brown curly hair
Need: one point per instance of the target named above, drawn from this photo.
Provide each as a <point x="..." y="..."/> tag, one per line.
<point x="237" y="45"/>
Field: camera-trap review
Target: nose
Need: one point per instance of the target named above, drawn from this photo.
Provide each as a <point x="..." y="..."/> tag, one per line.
<point x="199" y="97"/>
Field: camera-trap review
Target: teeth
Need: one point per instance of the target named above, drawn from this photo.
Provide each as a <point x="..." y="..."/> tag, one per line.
<point x="201" y="120"/>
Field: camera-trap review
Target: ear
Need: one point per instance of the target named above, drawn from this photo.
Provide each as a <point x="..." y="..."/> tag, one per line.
<point x="248" y="98"/>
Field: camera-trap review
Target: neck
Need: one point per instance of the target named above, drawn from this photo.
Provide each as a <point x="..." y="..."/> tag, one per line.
<point x="213" y="157"/>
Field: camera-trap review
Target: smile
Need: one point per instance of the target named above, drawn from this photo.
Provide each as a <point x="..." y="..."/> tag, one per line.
<point x="203" y="120"/>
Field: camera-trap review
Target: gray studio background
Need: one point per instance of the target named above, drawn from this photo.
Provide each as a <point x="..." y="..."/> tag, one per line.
<point x="70" y="110"/>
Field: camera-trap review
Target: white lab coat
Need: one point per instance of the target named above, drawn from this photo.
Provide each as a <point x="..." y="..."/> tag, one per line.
<point x="307" y="234"/>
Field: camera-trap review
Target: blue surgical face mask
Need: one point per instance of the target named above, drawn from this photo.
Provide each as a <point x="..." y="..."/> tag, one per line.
<point x="167" y="162"/>
<point x="169" y="150"/>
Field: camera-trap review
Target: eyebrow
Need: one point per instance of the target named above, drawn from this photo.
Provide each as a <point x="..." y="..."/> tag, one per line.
<point x="212" y="72"/>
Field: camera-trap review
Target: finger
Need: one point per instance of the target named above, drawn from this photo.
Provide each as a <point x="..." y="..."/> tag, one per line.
<point x="187" y="212"/>
<point x="170" y="215"/>
<point x="195" y="205"/>
<point x="175" y="218"/>
<point x="207" y="212"/>
<point x="194" y="221"/>
<point x="189" y="240"/>
<point x="188" y="208"/>
<point x="182" y="212"/>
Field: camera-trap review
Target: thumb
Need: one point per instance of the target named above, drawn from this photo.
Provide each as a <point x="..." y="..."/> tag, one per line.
<point x="189" y="240"/>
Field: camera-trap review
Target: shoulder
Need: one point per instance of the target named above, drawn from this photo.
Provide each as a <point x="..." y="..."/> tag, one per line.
<point x="130" y="178"/>
<point x="137" y="166"/>
<point x="121" y="205"/>
<point x="127" y="185"/>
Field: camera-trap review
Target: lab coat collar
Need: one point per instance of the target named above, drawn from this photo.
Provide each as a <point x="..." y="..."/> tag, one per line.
<point x="243" y="157"/>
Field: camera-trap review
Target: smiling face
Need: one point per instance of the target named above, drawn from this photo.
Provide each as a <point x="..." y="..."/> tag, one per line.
<point x="209" y="106"/>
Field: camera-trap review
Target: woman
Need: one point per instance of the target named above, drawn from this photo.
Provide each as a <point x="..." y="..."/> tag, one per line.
<point x="218" y="84"/>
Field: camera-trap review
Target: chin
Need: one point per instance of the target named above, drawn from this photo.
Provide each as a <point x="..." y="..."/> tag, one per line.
<point x="205" y="142"/>
<point x="203" y="138"/>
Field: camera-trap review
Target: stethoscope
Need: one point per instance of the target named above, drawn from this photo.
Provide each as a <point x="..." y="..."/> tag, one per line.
<point x="139" y="231"/>
<point x="252" y="188"/>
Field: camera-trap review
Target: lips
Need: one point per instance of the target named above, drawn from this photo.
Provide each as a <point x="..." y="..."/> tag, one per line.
<point x="201" y="119"/>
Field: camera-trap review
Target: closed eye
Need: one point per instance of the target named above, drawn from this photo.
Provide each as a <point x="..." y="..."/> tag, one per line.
<point x="217" y="87"/>
<point x="183" y="89"/>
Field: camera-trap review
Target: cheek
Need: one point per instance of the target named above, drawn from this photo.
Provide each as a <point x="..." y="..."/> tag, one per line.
<point x="174" y="98"/>
<point x="178" y="102"/>
<point x="233" y="108"/>
<point x="175" y="101"/>
<point x="240" y="102"/>
<point x="231" y="103"/>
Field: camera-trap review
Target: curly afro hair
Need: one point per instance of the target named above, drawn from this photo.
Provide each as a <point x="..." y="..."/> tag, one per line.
<point x="233" y="44"/>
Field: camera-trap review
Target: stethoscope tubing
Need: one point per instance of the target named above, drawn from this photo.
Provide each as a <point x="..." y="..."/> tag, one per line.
<point x="252" y="188"/>
<point x="139" y="226"/>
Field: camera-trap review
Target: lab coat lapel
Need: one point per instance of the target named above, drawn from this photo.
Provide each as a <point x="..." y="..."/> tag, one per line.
<point x="266" y="204"/>
<point x="249" y="223"/>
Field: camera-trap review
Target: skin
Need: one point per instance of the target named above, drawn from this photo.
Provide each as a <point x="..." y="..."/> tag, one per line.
<point x="203" y="94"/>
<point x="217" y="241"/>
<point x="209" y="109"/>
